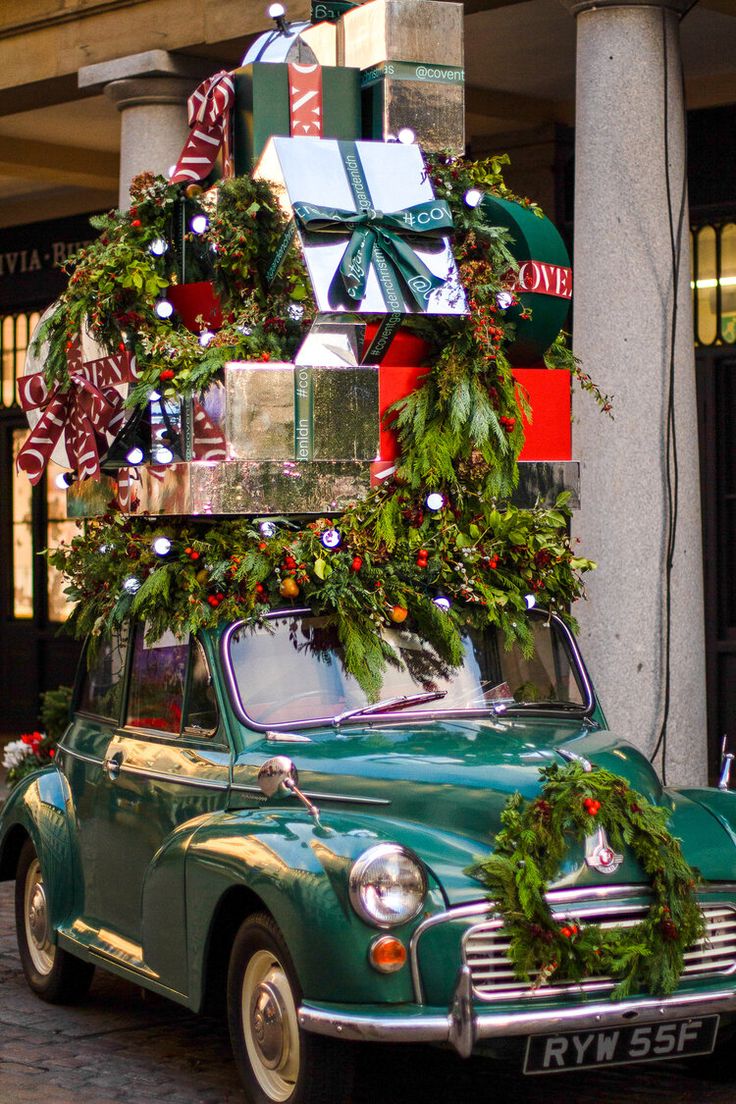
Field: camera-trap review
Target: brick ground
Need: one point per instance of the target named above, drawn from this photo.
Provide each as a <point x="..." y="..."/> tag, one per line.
<point x="123" y="1045"/>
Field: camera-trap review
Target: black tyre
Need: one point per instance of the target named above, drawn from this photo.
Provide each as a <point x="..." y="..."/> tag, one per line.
<point x="53" y="974"/>
<point x="278" y="1062"/>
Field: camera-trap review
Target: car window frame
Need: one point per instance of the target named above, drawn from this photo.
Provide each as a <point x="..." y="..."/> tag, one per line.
<point x="587" y="712"/>
<point x="217" y="738"/>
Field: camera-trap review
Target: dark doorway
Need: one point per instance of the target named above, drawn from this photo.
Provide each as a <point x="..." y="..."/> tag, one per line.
<point x="716" y="369"/>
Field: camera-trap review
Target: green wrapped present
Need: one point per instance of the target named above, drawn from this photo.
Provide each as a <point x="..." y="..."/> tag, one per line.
<point x="302" y="100"/>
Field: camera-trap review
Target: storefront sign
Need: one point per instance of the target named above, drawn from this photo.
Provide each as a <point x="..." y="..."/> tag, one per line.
<point x="30" y="260"/>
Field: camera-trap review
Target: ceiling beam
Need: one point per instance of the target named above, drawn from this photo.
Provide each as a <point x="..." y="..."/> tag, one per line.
<point x="724" y="7"/>
<point x="85" y="168"/>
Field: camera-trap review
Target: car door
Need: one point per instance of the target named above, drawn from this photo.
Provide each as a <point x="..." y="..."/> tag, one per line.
<point x="164" y="766"/>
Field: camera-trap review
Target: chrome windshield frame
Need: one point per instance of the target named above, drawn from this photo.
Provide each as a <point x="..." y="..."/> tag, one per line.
<point x="585" y="712"/>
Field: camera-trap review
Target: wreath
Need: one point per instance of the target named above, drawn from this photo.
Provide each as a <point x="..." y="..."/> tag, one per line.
<point x="574" y="802"/>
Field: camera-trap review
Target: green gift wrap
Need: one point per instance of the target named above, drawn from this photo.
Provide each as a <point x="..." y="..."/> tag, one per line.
<point x="266" y="105"/>
<point x="543" y="283"/>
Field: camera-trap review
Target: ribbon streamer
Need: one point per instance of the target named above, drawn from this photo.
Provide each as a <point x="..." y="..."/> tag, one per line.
<point x="91" y="408"/>
<point x="209" y="121"/>
<point x="377" y="242"/>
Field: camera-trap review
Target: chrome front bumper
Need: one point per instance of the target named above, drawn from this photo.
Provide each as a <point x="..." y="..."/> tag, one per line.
<point x="462" y="1027"/>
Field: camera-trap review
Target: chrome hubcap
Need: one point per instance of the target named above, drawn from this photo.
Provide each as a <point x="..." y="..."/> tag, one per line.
<point x="270" y="1026"/>
<point x="38" y="916"/>
<point x="36" y="913"/>
<point x="267" y="1015"/>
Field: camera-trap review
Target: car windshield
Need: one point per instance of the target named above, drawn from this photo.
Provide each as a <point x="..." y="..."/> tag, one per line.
<point x="290" y="670"/>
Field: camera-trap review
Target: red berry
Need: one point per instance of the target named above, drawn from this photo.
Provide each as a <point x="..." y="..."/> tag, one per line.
<point x="356" y="564"/>
<point x="135" y="223"/>
<point x="167" y="374"/>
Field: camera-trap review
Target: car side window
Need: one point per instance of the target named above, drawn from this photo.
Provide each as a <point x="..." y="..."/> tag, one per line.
<point x="157" y="683"/>
<point x="201" y="711"/>
<point x="101" y="692"/>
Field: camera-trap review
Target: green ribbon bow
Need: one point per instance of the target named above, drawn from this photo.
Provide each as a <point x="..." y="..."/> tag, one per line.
<point x="376" y="241"/>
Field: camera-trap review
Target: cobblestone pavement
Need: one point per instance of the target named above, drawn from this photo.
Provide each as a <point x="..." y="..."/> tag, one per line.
<point x="123" y="1045"/>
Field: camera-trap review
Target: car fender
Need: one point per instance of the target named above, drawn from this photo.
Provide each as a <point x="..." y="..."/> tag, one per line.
<point x="298" y="870"/>
<point x="705" y="819"/>
<point x="38" y="807"/>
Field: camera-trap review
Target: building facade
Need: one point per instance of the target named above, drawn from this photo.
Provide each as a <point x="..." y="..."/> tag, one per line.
<point x="591" y="102"/>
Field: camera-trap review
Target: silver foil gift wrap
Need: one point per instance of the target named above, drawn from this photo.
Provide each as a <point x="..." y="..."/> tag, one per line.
<point x="232" y="487"/>
<point x="301" y="412"/>
<point x="411" y="56"/>
<point x="374" y="237"/>
<point x="238" y="487"/>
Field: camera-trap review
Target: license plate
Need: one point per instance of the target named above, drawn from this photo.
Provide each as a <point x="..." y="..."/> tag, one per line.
<point x="620" y="1046"/>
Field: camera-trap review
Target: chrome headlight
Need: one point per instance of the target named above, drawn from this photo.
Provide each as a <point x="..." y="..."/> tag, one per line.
<point x="387" y="885"/>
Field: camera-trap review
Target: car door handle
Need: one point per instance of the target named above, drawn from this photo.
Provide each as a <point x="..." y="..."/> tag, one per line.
<point x="112" y="765"/>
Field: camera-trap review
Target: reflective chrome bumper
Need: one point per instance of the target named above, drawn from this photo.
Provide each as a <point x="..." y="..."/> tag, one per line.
<point x="461" y="1027"/>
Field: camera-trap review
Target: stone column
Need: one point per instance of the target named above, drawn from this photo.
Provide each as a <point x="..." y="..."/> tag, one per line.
<point x="632" y="313"/>
<point x="150" y="91"/>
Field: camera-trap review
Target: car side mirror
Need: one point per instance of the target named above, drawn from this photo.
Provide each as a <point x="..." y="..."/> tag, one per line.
<point x="280" y="773"/>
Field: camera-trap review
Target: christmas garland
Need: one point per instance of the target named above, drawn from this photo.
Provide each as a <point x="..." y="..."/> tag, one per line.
<point x="574" y="802"/>
<point x="474" y="559"/>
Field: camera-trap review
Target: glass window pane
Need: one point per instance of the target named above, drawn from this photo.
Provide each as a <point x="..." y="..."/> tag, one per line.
<point x="201" y="718"/>
<point x="103" y="683"/>
<point x="157" y="680"/>
<point x="706" y="283"/>
<point x="728" y="282"/>
<point x="22" y="536"/>
<point x="15" y="334"/>
<point x="59" y="529"/>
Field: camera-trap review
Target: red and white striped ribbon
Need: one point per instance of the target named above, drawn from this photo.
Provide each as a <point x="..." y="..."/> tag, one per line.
<point x="209" y="119"/>
<point x="89" y="410"/>
<point x="305" y="101"/>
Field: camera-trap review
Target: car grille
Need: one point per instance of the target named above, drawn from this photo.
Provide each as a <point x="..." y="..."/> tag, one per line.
<point x="485" y="951"/>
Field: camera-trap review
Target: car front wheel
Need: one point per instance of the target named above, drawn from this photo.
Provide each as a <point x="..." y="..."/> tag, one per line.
<point x="52" y="973"/>
<point x="278" y="1062"/>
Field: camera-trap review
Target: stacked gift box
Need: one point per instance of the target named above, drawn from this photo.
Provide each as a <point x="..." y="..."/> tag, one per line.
<point x="335" y="115"/>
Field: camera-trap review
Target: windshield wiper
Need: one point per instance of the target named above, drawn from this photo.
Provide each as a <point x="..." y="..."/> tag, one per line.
<point x="389" y="705"/>
<point x="542" y="703"/>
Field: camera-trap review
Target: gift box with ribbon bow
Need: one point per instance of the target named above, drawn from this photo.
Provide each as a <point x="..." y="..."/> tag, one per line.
<point x="309" y="101"/>
<point x="374" y="238"/>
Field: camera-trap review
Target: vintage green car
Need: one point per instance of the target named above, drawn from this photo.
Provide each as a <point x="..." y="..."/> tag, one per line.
<point x="229" y="817"/>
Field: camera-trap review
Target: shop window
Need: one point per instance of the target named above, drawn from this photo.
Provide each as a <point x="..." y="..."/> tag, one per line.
<point x="713" y="283"/>
<point x="15" y="335"/>
<point x="22" y="528"/>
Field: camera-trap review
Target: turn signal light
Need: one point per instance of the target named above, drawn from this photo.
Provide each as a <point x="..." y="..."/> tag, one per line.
<point x="387" y="954"/>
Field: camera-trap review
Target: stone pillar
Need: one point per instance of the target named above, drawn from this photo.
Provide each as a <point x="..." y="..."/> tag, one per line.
<point x="630" y="140"/>
<point x="150" y="90"/>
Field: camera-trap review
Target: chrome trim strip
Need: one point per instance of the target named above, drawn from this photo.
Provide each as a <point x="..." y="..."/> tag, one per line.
<point x="436" y="1027"/>
<point x="316" y="796"/>
<point x="78" y="755"/>
<point x="180" y="780"/>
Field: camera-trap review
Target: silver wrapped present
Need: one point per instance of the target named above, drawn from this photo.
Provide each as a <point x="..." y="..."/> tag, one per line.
<point x="301" y="412"/>
<point x="411" y="56"/>
<point x="375" y="238"/>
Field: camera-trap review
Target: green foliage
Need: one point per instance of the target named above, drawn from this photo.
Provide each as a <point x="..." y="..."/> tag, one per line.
<point x="527" y="856"/>
<point x="484" y="558"/>
<point x="460" y="435"/>
<point x="55" y="711"/>
<point x="37" y="749"/>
